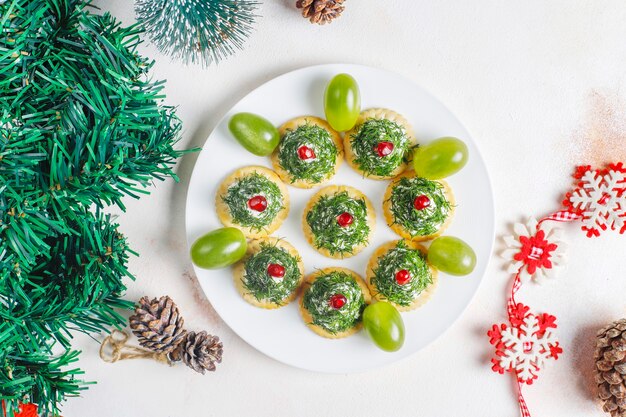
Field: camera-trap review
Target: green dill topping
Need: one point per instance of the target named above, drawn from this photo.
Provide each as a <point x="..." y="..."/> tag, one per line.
<point x="317" y="302"/>
<point x="399" y="258"/>
<point x="419" y="222"/>
<point x="328" y="234"/>
<point x="311" y="170"/>
<point x="369" y="135"/>
<point x="258" y="281"/>
<point x="244" y="189"/>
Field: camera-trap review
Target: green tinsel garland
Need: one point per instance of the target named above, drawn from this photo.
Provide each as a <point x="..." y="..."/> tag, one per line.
<point x="81" y="126"/>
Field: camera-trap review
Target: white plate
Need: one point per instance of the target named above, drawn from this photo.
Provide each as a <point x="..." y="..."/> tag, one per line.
<point x="281" y="334"/>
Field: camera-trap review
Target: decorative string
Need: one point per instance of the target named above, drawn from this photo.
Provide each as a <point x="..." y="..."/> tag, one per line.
<point x="523" y="408"/>
<point x="114" y="348"/>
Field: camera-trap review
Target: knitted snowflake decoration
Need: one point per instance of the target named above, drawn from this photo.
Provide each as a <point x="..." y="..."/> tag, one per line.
<point x="534" y="252"/>
<point x="525" y="345"/>
<point x="600" y="198"/>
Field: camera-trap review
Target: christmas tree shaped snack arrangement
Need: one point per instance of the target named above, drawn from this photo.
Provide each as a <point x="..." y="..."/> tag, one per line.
<point x="270" y="273"/>
<point x="379" y="146"/>
<point x="254" y="200"/>
<point x="309" y="152"/>
<point x="399" y="273"/>
<point x="338" y="221"/>
<point x="332" y="302"/>
<point x="417" y="208"/>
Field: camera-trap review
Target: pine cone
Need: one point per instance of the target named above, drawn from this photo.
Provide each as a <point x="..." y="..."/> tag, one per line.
<point x="320" y="11"/>
<point x="611" y="368"/>
<point x="157" y="324"/>
<point x="199" y="351"/>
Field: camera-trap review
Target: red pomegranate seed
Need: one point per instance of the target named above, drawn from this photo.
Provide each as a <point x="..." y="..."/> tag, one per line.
<point x="421" y="202"/>
<point x="403" y="276"/>
<point x="257" y="203"/>
<point x="384" y="148"/>
<point x="276" y="270"/>
<point x="345" y="219"/>
<point x="304" y="153"/>
<point x="337" y="301"/>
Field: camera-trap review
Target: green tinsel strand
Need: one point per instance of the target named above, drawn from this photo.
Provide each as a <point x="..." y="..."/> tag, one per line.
<point x="81" y="126"/>
<point x="197" y="31"/>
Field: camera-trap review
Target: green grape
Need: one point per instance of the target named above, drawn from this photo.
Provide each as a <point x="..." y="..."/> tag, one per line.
<point x="384" y="325"/>
<point x="452" y="256"/>
<point x="219" y="248"/>
<point x="253" y="132"/>
<point x="440" y="158"/>
<point x="342" y="102"/>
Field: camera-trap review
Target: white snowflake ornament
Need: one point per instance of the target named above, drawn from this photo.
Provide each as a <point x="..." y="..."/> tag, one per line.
<point x="600" y="198"/>
<point x="526" y="345"/>
<point x="535" y="252"/>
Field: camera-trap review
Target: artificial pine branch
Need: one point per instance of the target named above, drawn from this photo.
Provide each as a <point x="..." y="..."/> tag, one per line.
<point x="197" y="31"/>
<point x="81" y="127"/>
<point x="48" y="379"/>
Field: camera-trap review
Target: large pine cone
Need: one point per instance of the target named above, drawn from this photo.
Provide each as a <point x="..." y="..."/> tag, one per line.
<point x="320" y="11"/>
<point x="611" y="368"/>
<point x="157" y="324"/>
<point x="200" y="351"/>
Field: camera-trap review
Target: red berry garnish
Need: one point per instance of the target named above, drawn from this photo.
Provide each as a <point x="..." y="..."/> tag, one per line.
<point x="384" y="148"/>
<point x="276" y="270"/>
<point x="403" y="276"/>
<point x="304" y="153"/>
<point x="257" y="203"/>
<point x="337" y="301"/>
<point x="345" y="219"/>
<point x="421" y="202"/>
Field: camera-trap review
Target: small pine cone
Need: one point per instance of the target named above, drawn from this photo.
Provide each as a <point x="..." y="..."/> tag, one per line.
<point x="610" y="374"/>
<point x="157" y="324"/>
<point x="320" y="11"/>
<point x="199" y="351"/>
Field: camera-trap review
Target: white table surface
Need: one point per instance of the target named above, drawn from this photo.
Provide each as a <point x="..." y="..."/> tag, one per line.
<point x="539" y="84"/>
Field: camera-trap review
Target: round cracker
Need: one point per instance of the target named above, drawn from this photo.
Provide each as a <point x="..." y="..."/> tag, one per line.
<point x="399" y="229"/>
<point x="223" y="212"/>
<point x="293" y="124"/>
<point x="239" y="271"/>
<point x="377" y="113"/>
<point x="423" y="297"/>
<point x="332" y="190"/>
<point x="308" y="319"/>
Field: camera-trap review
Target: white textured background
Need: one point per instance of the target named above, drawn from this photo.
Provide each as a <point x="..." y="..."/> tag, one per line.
<point x="539" y="84"/>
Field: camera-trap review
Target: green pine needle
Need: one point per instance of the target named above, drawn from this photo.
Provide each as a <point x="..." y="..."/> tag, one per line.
<point x="197" y="31"/>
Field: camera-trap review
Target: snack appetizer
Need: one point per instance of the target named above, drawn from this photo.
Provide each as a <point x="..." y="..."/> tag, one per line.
<point x="379" y="146"/>
<point x="399" y="273"/>
<point x="254" y="200"/>
<point x="332" y="302"/>
<point x="338" y="221"/>
<point x="270" y="273"/>
<point x="417" y="208"/>
<point x="309" y="152"/>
